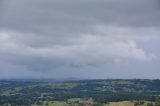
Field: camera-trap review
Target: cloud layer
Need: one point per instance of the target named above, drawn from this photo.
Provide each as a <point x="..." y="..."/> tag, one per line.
<point x="58" y="37"/>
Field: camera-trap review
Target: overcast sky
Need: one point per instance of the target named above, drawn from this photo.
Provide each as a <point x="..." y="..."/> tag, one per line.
<point x="80" y="38"/>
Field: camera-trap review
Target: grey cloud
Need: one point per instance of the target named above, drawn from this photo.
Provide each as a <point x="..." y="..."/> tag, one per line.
<point x="51" y="17"/>
<point x="93" y="49"/>
<point x="59" y="36"/>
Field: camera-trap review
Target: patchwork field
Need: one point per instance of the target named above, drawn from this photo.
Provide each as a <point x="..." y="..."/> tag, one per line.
<point x="80" y="93"/>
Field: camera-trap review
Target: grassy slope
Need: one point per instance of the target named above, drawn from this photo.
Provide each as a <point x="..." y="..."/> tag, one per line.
<point x="124" y="103"/>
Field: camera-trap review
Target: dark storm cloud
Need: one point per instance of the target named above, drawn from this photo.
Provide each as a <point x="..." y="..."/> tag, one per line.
<point x="51" y="35"/>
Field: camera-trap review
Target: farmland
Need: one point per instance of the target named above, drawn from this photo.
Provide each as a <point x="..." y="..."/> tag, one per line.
<point x="80" y="93"/>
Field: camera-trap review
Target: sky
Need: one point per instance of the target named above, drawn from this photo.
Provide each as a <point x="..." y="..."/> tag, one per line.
<point x="94" y="39"/>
